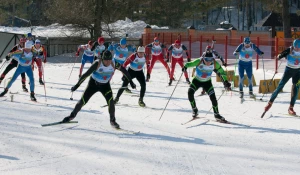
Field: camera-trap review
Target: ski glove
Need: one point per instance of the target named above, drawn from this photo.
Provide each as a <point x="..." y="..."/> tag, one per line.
<point x="262" y="53"/>
<point x="168" y="60"/>
<point x="279" y="56"/>
<point x="235" y="53"/>
<point x="74" y="88"/>
<point x="184" y="69"/>
<point x="45" y="60"/>
<point x="189" y="59"/>
<point x="224" y="64"/>
<point x="77" y="54"/>
<point x="133" y="86"/>
<point x="227" y="85"/>
<point x="7" y="57"/>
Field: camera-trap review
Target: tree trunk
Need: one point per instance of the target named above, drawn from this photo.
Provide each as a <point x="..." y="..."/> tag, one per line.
<point x="99" y="7"/>
<point x="286" y="20"/>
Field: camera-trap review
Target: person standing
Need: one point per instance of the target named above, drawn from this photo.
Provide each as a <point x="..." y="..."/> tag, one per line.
<point x="246" y="50"/>
<point x="101" y="73"/>
<point x="39" y="53"/>
<point x="25" y="57"/>
<point x="14" y="63"/>
<point x="205" y="65"/>
<point x="157" y="54"/>
<point x="177" y="50"/>
<point x="88" y="55"/>
<point x="136" y="62"/>
<point x="292" y="70"/>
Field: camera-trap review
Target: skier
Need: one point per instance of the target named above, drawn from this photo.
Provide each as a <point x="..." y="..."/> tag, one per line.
<point x="121" y="51"/>
<point x="245" y="51"/>
<point x="136" y="62"/>
<point x="157" y="50"/>
<point x="292" y="70"/>
<point x="24" y="57"/>
<point x="177" y="50"/>
<point x="99" y="47"/>
<point x="88" y="55"/>
<point x="39" y="52"/>
<point x="14" y="63"/>
<point x="209" y="49"/>
<point x="101" y="72"/>
<point x="205" y="65"/>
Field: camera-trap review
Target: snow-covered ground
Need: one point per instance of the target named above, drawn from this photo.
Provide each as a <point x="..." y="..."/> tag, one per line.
<point x="268" y="146"/>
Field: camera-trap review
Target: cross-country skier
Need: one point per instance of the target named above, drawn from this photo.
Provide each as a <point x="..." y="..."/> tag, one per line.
<point x="216" y="55"/>
<point x="39" y="53"/>
<point x="177" y="50"/>
<point x="205" y="65"/>
<point x="88" y="55"/>
<point x="99" y="47"/>
<point x="101" y="73"/>
<point x="157" y="53"/>
<point x="24" y="57"/>
<point x="14" y="63"/>
<point x="246" y="50"/>
<point x="121" y="52"/>
<point x="136" y="62"/>
<point x="292" y="70"/>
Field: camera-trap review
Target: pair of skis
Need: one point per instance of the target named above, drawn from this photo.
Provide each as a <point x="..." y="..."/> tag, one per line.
<point x="72" y="122"/>
<point x="196" y="118"/>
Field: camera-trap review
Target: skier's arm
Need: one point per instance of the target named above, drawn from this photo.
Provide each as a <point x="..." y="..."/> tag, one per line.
<point x="284" y="53"/>
<point x="14" y="48"/>
<point x="149" y="45"/>
<point x="220" y="72"/>
<point x="186" y="52"/>
<point x="168" y="53"/>
<point x="129" y="60"/>
<point x="257" y="50"/>
<point x="193" y="63"/>
<point x="86" y="74"/>
<point x="238" y="49"/>
<point x="95" y="44"/>
<point x="219" y="56"/>
<point x="125" y="73"/>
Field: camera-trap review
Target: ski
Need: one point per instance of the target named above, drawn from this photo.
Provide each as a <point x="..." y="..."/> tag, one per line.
<point x="194" y="118"/>
<point x="127" y="131"/>
<point x="291" y="115"/>
<point x="13" y="92"/>
<point x="58" y="123"/>
<point x="223" y="121"/>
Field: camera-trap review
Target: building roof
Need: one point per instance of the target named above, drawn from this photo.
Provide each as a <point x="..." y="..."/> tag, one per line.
<point x="275" y="19"/>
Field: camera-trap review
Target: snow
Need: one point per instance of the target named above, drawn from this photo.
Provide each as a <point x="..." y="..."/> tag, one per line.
<point x="250" y="146"/>
<point x="134" y="29"/>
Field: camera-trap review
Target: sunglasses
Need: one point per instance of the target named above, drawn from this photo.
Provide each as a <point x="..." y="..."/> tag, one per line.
<point x="38" y="43"/>
<point x="208" y="59"/>
<point x="156" y="40"/>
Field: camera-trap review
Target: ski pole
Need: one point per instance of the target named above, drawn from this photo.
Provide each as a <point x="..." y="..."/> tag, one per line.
<point x="44" y="82"/>
<point x="73" y="67"/>
<point x="270" y="82"/>
<point x="171" y="96"/>
<point x="71" y="98"/>
<point x="217" y="100"/>
<point x="3" y="65"/>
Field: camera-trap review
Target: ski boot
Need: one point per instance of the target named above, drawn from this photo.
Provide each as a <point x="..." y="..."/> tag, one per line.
<point x="188" y="81"/>
<point x="251" y="95"/>
<point x="241" y="94"/>
<point x="32" y="96"/>
<point x="116" y="100"/>
<point x="24" y="88"/>
<point x="291" y="111"/>
<point x="79" y="76"/>
<point x="170" y="82"/>
<point x="195" y="112"/>
<point x="114" y="124"/>
<point x="69" y="118"/>
<point x="148" y="77"/>
<point x="220" y="119"/>
<point x="269" y="105"/>
<point x="41" y="81"/>
<point x="127" y="90"/>
<point x="4" y="92"/>
<point x="141" y="103"/>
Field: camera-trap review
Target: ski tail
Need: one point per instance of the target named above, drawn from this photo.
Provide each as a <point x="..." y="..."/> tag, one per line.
<point x="58" y="123"/>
